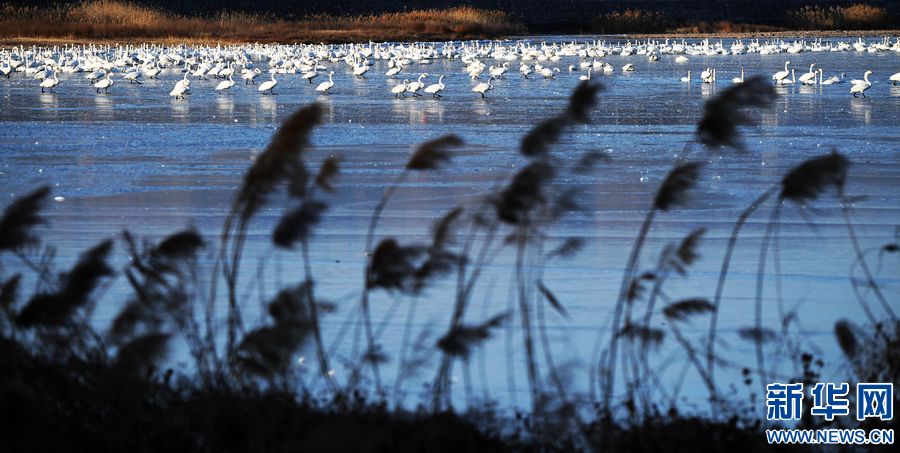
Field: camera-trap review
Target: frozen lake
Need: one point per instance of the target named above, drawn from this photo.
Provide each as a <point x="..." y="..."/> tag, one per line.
<point x="137" y="159"/>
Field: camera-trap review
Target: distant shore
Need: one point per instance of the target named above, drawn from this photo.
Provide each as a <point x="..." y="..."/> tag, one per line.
<point x="174" y="40"/>
<point x="772" y="34"/>
<point x="110" y="21"/>
<point x="120" y="22"/>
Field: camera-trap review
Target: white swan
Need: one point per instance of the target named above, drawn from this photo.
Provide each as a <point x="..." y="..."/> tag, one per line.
<point x="860" y="86"/>
<point x="498" y="71"/>
<point x="548" y="73"/>
<point x="250" y="76"/>
<point x="133" y="76"/>
<point x="895" y="79"/>
<point x="483" y="87"/>
<point x="267" y="86"/>
<point x="588" y="76"/>
<point x="43" y="74"/>
<point x="201" y="71"/>
<point x="810" y="77"/>
<point x="360" y="71"/>
<point x="49" y="83"/>
<point x="225" y="85"/>
<point x="435" y="88"/>
<point x="310" y="75"/>
<point x="325" y="86"/>
<point x="394" y="70"/>
<point x="790" y="81"/>
<point x="104" y="84"/>
<point x="414" y="87"/>
<point x="214" y="71"/>
<point x="525" y="70"/>
<point x="227" y="71"/>
<point x="154" y="71"/>
<point x="181" y="87"/>
<point x="400" y="88"/>
<point x="780" y="76"/>
<point x="628" y="68"/>
<point x="687" y="79"/>
<point x="739" y="79"/>
<point x="834" y="79"/>
<point x="94" y="76"/>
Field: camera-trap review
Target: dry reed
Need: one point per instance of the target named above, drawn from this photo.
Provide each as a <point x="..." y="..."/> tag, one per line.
<point x="859" y="16"/>
<point x="115" y="19"/>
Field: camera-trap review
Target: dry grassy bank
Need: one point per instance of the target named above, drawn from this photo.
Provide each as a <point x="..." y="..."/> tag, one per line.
<point x="840" y="19"/>
<point x="103" y="20"/>
<point x="118" y="21"/>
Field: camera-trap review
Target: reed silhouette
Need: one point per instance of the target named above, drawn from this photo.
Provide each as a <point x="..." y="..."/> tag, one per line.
<point x="116" y="387"/>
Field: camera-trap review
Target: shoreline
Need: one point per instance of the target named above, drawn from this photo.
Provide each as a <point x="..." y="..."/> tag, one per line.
<point x="356" y="37"/>
<point x="771" y="34"/>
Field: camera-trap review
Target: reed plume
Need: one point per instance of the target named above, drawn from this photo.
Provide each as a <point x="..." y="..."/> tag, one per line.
<point x="724" y="113"/>
<point x="431" y="154"/>
<point x="670" y="194"/>
<point x="757" y="335"/>
<point x="719" y="127"/>
<point x="684" y="309"/>
<point x="296" y="225"/>
<point x="280" y="163"/>
<point x="678" y="182"/>
<point x="846" y="338"/>
<point x="808" y="180"/>
<point x="524" y="192"/>
<point x="57" y="308"/>
<point x="568" y="248"/>
<point x="178" y="246"/>
<point x="19" y="218"/>
<point x="267" y="350"/>
<point x="426" y="157"/>
<point x="460" y="340"/>
<point x="9" y="297"/>
<point x="647" y="337"/>
<point x="327" y="173"/>
<point x="9" y="292"/>
<point x="537" y="141"/>
<point x="140" y="354"/>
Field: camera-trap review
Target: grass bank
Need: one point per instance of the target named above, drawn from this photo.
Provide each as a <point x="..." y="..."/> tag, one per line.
<point x="117" y="21"/>
<point x="106" y="20"/>
<point x="836" y="19"/>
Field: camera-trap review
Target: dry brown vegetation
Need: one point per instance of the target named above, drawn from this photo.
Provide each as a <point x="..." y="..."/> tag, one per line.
<point x="113" y="19"/>
<point x="854" y="17"/>
<point x="725" y="27"/>
<point x="641" y="21"/>
<point x="631" y="21"/>
<point x="123" y="21"/>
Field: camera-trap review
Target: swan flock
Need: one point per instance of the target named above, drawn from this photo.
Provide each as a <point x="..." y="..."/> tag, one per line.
<point x="482" y="64"/>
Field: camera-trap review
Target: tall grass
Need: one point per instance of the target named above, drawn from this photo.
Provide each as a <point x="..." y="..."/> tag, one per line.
<point x="250" y="366"/>
<point x="631" y="20"/>
<point x="116" y="19"/>
<point x="859" y="16"/>
<point x="116" y="13"/>
<point x="810" y="17"/>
